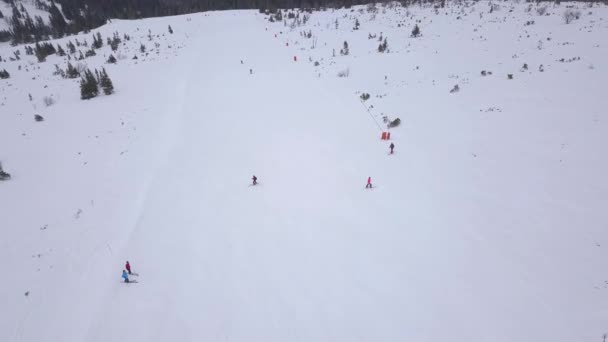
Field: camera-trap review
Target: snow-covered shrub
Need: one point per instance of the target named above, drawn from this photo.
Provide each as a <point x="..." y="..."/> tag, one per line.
<point x="344" y="73"/>
<point x="364" y="96"/>
<point x="38" y="118"/>
<point x="48" y="101"/>
<point x="510" y="76"/>
<point x="344" y="51"/>
<point x="4" y="175"/>
<point x="4" y="74"/>
<point x="455" y="89"/>
<point x="111" y="59"/>
<point x="394" y="123"/>
<point x="570" y="15"/>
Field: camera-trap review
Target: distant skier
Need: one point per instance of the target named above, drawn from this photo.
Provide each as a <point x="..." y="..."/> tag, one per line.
<point x="250" y="71"/>
<point x="128" y="267"/>
<point x="369" y="183"/>
<point x="254" y="179"/>
<point x="125" y="276"/>
<point x="392" y="147"/>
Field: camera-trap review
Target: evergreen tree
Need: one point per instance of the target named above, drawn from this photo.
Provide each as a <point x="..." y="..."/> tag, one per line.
<point x="111" y="59"/>
<point x="71" y="72"/>
<point x="89" y="88"/>
<point x="5" y="36"/>
<point x="106" y="83"/>
<point x="97" y="41"/>
<point x="71" y="47"/>
<point x="43" y="50"/>
<point x="57" y="22"/>
<point x="416" y="31"/>
<point x="60" y="50"/>
<point x="384" y="46"/>
<point x="115" y="41"/>
<point x="16" y="13"/>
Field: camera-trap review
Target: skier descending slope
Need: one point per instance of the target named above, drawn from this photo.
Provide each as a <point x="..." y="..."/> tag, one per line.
<point x="392" y="147"/>
<point x="369" y="183"/>
<point x="254" y="179"/>
<point x="128" y="267"/>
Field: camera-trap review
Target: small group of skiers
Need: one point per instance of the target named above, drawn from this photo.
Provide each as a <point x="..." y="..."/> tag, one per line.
<point x="125" y="275"/>
<point x="369" y="179"/>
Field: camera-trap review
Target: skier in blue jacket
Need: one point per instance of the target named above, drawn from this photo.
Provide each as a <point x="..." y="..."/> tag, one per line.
<point x="125" y="276"/>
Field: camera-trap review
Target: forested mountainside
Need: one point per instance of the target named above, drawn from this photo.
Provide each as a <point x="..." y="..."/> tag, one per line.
<point x="57" y="18"/>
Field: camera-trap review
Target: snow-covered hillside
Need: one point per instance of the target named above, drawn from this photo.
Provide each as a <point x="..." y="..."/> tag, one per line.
<point x="24" y="7"/>
<point x="486" y="224"/>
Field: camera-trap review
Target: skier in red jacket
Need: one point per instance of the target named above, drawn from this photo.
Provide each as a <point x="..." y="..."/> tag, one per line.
<point x="128" y="267"/>
<point x="369" y="183"/>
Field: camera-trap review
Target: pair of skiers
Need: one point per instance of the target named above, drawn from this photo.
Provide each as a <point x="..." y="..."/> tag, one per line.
<point x="125" y="276"/>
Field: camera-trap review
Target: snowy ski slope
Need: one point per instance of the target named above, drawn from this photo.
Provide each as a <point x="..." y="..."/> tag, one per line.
<point x="487" y="224"/>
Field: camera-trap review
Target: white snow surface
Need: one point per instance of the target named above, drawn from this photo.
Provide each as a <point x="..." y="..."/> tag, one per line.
<point x="489" y="222"/>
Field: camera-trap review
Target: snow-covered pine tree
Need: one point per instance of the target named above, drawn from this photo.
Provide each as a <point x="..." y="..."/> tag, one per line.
<point x="106" y="83"/>
<point x="89" y="87"/>
<point x="416" y="31"/>
<point x="71" y="72"/>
